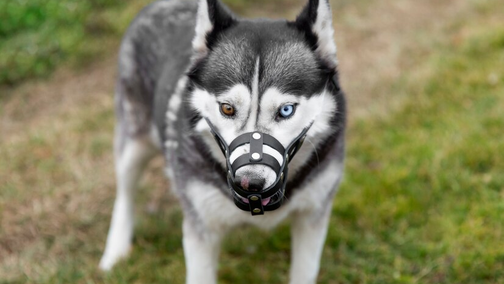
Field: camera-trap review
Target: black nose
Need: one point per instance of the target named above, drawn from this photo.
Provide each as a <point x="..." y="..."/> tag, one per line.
<point x="249" y="182"/>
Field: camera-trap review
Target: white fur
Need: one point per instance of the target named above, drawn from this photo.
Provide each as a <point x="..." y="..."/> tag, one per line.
<point x="203" y="27"/>
<point x="171" y="144"/>
<point x="309" y="228"/>
<point x="171" y="116"/>
<point x="129" y="167"/>
<point x="318" y="109"/>
<point x="210" y="202"/>
<point x="308" y="231"/>
<point x="173" y="107"/>
<point x="201" y="251"/>
<point x="176" y="100"/>
<point x="254" y="105"/>
<point x="324" y="30"/>
<point x="209" y="106"/>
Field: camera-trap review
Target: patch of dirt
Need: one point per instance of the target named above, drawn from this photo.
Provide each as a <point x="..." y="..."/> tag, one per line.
<point x="40" y="102"/>
<point x="380" y="42"/>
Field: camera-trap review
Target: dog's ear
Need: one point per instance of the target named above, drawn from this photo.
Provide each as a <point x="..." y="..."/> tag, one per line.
<point x="213" y="18"/>
<point x="316" y="22"/>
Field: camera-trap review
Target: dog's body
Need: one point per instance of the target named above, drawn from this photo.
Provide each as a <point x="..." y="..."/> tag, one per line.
<point x="180" y="64"/>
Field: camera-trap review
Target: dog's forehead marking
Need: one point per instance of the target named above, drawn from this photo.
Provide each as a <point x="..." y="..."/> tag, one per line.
<point x="231" y="62"/>
<point x="254" y="102"/>
<point x="292" y="68"/>
<point x="286" y="60"/>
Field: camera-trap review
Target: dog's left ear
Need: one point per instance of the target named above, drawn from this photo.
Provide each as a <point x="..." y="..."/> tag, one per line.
<point x="213" y="18"/>
<point x="316" y="22"/>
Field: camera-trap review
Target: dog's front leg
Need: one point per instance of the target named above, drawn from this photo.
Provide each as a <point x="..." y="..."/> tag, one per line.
<point x="309" y="231"/>
<point x="201" y="250"/>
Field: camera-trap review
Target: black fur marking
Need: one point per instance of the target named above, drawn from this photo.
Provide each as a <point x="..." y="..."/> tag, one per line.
<point x="287" y="60"/>
<point x="221" y="19"/>
<point x="305" y="21"/>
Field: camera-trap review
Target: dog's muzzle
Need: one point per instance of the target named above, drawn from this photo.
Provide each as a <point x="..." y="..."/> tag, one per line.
<point x="256" y="140"/>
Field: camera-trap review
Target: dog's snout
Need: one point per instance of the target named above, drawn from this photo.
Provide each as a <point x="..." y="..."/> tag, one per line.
<point x="250" y="183"/>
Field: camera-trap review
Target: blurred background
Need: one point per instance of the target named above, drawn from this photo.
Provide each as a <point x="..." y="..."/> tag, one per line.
<point x="423" y="197"/>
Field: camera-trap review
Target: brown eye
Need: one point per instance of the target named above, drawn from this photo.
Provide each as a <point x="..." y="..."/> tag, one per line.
<point x="227" y="109"/>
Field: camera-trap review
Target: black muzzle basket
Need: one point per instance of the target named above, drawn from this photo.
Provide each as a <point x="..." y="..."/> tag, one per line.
<point x="257" y="140"/>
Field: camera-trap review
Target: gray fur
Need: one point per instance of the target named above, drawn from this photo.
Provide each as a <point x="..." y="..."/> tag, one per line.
<point x="160" y="36"/>
<point x="158" y="73"/>
<point x="155" y="54"/>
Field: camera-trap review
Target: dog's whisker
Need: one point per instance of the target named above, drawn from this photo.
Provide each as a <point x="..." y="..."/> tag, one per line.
<point x="314" y="149"/>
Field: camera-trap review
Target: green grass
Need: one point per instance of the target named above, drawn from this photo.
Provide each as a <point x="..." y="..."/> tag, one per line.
<point x="422" y="202"/>
<point x="38" y="35"/>
<point x="424" y="196"/>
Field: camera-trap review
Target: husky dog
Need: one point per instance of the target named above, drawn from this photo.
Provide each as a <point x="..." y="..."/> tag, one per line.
<point x="228" y="102"/>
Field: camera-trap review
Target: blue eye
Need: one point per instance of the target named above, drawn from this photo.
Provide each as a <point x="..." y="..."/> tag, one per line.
<point x="286" y="111"/>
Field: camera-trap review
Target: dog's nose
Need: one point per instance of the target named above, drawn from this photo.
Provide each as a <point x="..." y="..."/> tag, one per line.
<point x="250" y="183"/>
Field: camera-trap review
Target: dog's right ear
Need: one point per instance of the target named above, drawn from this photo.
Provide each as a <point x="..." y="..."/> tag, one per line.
<point x="213" y="18"/>
<point x="315" y="21"/>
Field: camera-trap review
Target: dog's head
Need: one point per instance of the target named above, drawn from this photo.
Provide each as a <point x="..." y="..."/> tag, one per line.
<point x="273" y="77"/>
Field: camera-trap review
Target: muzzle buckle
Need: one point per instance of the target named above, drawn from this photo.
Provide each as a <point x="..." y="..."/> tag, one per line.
<point x="255" y="204"/>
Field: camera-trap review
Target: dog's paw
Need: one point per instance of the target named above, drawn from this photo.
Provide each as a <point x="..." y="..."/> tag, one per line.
<point x="110" y="258"/>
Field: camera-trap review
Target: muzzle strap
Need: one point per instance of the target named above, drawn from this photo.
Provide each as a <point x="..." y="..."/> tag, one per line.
<point x="255" y="204"/>
<point x="256" y="147"/>
<point x="265" y="159"/>
<point x="256" y="141"/>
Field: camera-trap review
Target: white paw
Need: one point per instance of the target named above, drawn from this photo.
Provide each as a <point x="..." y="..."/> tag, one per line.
<point x="112" y="256"/>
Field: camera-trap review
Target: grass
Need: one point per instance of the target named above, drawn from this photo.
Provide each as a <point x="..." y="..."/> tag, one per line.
<point x="423" y="199"/>
<point x="38" y="35"/>
<point x="424" y="196"/>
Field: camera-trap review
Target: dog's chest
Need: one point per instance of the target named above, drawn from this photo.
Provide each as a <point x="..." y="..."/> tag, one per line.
<point x="219" y="212"/>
